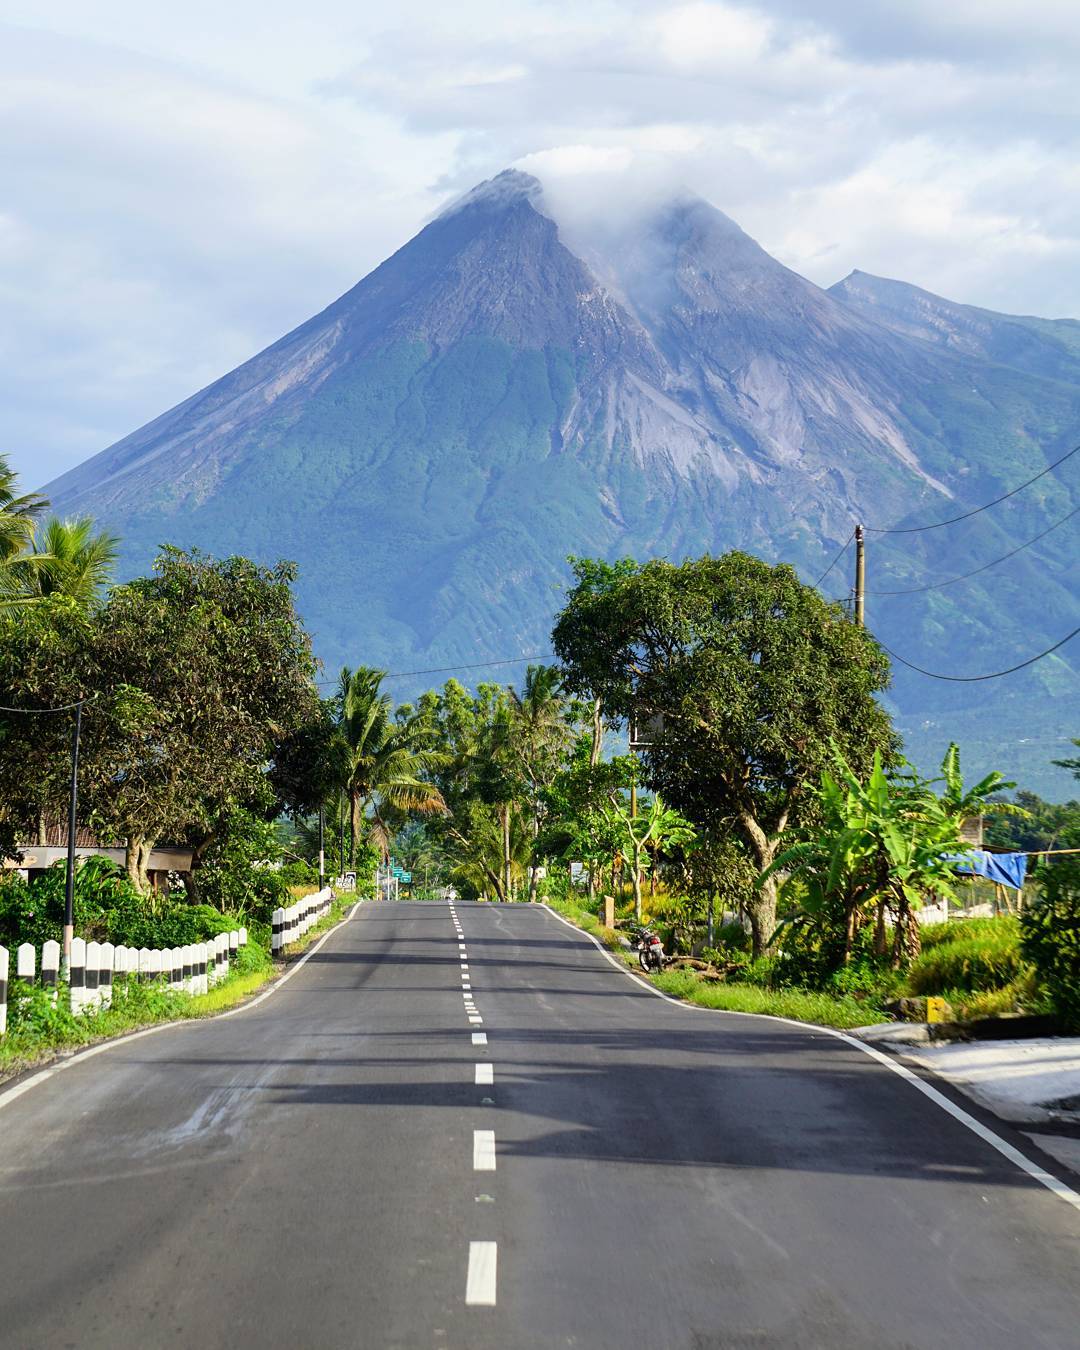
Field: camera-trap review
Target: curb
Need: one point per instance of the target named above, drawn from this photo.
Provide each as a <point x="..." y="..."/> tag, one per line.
<point x="65" y="1059"/>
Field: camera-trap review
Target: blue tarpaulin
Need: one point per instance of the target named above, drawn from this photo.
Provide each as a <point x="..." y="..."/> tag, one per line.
<point x="1006" y="869"/>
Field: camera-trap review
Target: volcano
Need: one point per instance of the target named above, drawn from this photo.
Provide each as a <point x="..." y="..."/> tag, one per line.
<point x="509" y="389"/>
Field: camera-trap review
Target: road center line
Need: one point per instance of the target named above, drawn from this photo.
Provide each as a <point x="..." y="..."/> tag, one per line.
<point x="479" y="1038"/>
<point x="485" y="1074"/>
<point x="480" y="1284"/>
<point x="483" y="1150"/>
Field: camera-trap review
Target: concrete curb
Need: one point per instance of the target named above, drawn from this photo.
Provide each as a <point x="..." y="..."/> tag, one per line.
<point x="64" y="1059"/>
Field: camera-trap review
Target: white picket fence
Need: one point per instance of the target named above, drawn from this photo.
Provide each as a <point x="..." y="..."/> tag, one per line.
<point x="97" y="966"/>
<point x="289" y="925"/>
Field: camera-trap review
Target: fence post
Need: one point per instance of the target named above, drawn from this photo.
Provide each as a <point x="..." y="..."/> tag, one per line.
<point x="50" y="965"/>
<point x="77" y="975"/>
<point x="4" y="961"/>
<point x="93" y="970"/>
<point x="105" y="976"/>
<point x="234" y="944"/>
<point x="186" y="963"/>
<point x="26" y="962"/>
<point x="242" y="937"/>
<point x="223" y="951"/>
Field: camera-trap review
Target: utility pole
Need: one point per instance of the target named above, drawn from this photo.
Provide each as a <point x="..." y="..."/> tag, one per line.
<point x="860" y="577"/>
<point x="341" y="832"/>
<point x="322" y="847"/>
<point x="73" y="809"/>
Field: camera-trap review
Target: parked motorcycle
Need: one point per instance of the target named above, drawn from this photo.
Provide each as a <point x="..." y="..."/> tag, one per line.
<point x="650" y="950"/>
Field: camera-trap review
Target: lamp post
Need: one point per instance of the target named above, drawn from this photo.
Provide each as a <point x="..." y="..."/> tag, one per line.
<point x="73" y="807"/>
<point x="322" y="846"/>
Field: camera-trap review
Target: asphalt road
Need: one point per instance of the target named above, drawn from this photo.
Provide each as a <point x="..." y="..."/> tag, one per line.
<point x="315" y="1172"/>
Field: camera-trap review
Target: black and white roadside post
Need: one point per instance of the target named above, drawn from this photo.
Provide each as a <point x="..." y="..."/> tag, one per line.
<point x="73" y="806"/>
<point x="322" y="847"/>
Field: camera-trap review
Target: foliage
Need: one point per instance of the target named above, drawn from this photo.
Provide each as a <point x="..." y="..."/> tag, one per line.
<point x="754" y="675"/>
<point x="18" y="520"/>
<point x="797" y="1004"/>
<point x="384" y="758"/>
<point x="968" y="958"/>
<point x="70" y="560"/>
<point x="1050" y="930"/>
<point x="880" y="847"/>
<point x="656" y="828"/>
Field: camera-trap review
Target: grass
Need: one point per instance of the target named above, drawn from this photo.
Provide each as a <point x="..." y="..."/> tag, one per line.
<point x="973" y="955"/>
<point x="842" y="1012"/>
<point x="39" y="1030"/>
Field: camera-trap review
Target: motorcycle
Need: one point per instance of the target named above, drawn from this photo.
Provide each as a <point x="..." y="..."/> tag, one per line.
<point x="650" y="950"/>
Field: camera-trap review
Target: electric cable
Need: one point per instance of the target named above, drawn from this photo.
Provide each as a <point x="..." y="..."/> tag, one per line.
<point x="830" y="567"/>
<point x="974" y="679"/>
<point x="917" y="529"/>
<point x="67" y="707"/>
<point x="443" y="670"/>
<point x="936" y="585"/>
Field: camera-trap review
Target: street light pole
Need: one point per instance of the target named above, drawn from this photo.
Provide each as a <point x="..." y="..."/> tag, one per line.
<point x="73" y="807"/>
<point x="322" y="846"/>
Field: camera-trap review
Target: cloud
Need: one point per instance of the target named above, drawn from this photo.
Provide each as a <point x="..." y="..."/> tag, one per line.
<point x="175" y="200"/>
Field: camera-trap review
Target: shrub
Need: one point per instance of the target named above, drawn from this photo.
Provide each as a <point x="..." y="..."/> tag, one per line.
<point x="1051" y="938"/>
<point x="35" y="912"/>
<point x="979" y="955"/>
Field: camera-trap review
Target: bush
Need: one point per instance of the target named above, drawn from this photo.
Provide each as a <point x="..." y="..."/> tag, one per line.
<point x="1050" y="929"/>
<point x="971" y="955"/>
<point x="35" y="912"/>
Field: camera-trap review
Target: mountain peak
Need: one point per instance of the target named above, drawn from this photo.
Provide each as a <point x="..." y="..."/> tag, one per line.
<point x="505" y="189"/>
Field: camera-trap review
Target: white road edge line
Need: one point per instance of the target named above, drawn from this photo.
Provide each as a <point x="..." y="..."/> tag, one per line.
<point x="93" y="1050"/>
<point x="485" y="1074"/>
<point x="987" y="1135"/>
<point x="481" y="1280"/>
<point x="483" y="1150"/>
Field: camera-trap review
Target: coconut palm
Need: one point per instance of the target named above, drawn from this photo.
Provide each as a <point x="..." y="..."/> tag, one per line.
<point x="385" y="757"/>
<point x="541" y="733"/>
<point x="72" y="560"/>
<point x="18" y="519"/>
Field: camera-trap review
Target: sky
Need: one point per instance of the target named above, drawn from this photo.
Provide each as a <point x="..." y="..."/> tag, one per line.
<point x="182" y="184"/>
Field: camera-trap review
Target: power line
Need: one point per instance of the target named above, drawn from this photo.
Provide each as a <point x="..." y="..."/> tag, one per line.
<point x="443" y="670"/>
<point x="830" y="567"/>
<point x="67" y="707"/>
<point x="936" y="585"/>
<point x="974" y="679"/>
<point x="917" y="529"/>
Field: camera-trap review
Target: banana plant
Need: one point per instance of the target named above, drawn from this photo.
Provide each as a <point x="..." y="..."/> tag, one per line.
<point x="885" y="844"/>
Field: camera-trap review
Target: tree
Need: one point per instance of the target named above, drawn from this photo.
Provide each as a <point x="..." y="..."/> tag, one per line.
<point x="657" y="827"/>
<point x="71" y="560"/>
<point x="541" y="733"/>
<point x="886" y="844"/>
<point x="205" y="671"/>
<point x="18" y="520"/>
<point x="753" y="674"/>
<point x="384" y="759"/>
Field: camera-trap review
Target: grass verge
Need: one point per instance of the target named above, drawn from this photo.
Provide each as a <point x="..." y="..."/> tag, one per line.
<point x="39" y="1030"/>
<point x="800" y="1005"/>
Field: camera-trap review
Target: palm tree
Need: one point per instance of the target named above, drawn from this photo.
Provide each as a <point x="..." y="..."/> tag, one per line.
<point x="541" y="735"/>
<point x="72" y="560"/>
<point x="385" y="757"/>
<point x="18" y="519"/>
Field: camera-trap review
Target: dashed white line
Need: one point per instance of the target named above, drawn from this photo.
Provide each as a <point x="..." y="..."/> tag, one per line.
<point x="483" y="1150"/>
<point x="479" y="1038"/>
<point x="485" y="1074"/>
<point x="481" y="1281"/>
<point x="477" y="1021"/>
